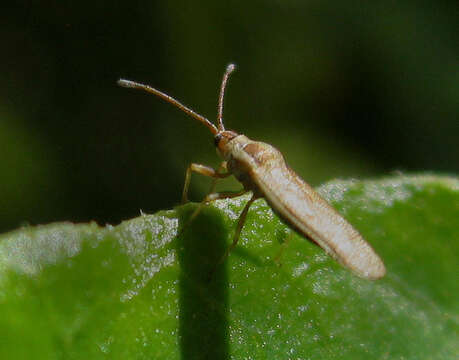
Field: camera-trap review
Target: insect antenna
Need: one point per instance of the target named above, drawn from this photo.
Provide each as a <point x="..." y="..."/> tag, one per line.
<point x="135" y="85"/>
<point x="229" y="69"/>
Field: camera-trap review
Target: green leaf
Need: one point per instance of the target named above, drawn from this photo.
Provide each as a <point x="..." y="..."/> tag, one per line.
<point x="139" y="291"/>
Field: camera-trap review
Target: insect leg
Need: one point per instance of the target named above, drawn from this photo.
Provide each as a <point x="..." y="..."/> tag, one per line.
<point x="209" y="198"/>
<point x="222" y="170"/>
<point x="240" y="225"/>
<point x="203" y="170"/>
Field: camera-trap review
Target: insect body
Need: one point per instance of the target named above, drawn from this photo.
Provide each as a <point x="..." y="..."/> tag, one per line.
<point x="261" y="169"/>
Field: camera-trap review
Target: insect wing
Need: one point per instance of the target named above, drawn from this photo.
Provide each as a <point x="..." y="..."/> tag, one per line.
<point x="306" y="211"/>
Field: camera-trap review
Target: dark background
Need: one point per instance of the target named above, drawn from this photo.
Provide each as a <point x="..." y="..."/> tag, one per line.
<point x="342" y="88"/>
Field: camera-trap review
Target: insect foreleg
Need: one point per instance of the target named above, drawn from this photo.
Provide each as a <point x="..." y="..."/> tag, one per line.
<point x="223" y="171"/>
<point x="206" y="171"/>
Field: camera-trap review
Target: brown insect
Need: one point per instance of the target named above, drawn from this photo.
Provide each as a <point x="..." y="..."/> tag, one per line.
<point x="262" y="170"/>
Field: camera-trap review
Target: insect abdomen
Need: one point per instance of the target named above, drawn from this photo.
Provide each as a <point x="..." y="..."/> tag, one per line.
<point x="307" y="212"/>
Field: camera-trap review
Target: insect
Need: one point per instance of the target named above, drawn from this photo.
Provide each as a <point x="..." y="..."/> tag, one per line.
<point x="262" y="170"/>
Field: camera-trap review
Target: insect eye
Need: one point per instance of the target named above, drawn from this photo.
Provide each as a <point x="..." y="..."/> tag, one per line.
<point x="217" y="139"/>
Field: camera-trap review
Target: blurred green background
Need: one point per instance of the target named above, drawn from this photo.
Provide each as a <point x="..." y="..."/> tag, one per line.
<point x="342" y="88"/>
